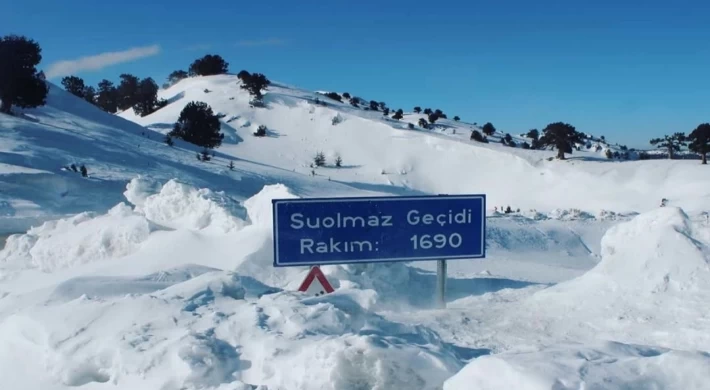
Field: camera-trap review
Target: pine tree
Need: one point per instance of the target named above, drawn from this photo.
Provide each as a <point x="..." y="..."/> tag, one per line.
<point x="562" y="136"/>
<point x="74" y="85"/>
<point x="319" y="159"/>
<point x="20" y="82"/>
<point x="127" y="91"/>
<point x="90" y="94"/>
<point x="107" y="97"/>
<point x="700" y="141"/>
<point x="176" y="76"/>
<point x="209" y="65"/>
<point x="672" y="143"/>
<point x="254" y="84"/>
<point x="231" y="165"/>
<point x="198" y="125"/>
<point x="146" y="97"/>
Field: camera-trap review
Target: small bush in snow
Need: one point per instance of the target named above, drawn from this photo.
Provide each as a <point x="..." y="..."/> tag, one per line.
<point x="533" y="134"/>
<point x="456" y="118"/>
<point x="476" y="136"/>
<point x="346" y="95"/>
<point x="319" y="159"/>
<point x="644" y="156"/>
<point x="508" y="138"/>
<point x="410" y="126"/>
<point x="353" y="102"/>
<point x="398" y="115"/>
<point x="169" y="140"/>
<point x="488" y="129"/>
<point x="260" y="131"/>
<point x="417" y="109"/>
<point x="337" y="119"/>
<point x="423" y="123"/>
<point x="338" y="161"/>
<point x="525" y="145"/>
<point x="84" y="172"/>
<point x="231" y="165"/>
<point x="74" y="168"/>
<point x="205" y="155"/>
<point x="433" y="117"/>
<point x="609" y="154"/>
<point x="512" y="144"/>
<point x="334" y="96"/>
<point x="374" y="105"/>
<point x="428" y="111"/>
<point x="385" y="111"/>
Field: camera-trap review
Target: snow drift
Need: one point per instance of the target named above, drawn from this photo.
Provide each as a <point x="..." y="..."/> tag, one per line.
<point x="605" y="366"/>
<point x="81" y="239"/>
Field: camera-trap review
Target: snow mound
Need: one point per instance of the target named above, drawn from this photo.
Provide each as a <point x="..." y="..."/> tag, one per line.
<point x="607" y="366"/>
<point x="259" y="207"/>
<point x="222" y="330"/>
<point x="139" y="189"/>
<point x="81" y="239"/>
<point x="653" y="253"/>
<point x="108" y="286"/>
<point x="180" y="206"/>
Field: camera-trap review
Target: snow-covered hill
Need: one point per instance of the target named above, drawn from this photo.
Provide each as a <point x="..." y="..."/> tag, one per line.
<point x="382" y="154"/>
<point x="155" y="272"/>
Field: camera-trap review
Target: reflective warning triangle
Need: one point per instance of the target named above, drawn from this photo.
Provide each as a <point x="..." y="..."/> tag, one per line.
<point x="315" y="283"/>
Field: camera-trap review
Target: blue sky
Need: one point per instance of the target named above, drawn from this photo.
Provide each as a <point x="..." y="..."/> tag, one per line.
<point x="628" y="70"/>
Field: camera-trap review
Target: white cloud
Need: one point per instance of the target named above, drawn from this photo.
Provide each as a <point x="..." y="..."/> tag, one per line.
<point x="263" y="42"/>
<point x="99" y="61"/>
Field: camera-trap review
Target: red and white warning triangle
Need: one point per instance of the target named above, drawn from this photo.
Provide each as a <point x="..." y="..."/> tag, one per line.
<point x="315" y="283"/>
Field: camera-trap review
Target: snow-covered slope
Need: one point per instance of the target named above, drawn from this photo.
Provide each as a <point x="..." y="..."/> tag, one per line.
<point x="380" y="152"/>
<point x="156" y="271"/>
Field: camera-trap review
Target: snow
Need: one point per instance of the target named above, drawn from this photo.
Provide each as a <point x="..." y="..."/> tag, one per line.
<point x="156" y="271"/>
<point x="178" y="205"/>
<point x="608" y="366"/>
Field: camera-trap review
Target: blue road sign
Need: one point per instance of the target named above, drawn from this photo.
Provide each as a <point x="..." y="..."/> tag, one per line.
<point x="378" y="229"/>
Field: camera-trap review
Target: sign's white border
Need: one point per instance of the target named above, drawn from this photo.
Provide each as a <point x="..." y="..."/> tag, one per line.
<point x="276" y="202"/>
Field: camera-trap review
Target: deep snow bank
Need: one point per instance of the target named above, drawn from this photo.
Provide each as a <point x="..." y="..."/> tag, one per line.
<point x="219" y="329"/>
<point x="657" y="253"/>
<point x="80" y="239"/>
<point x="180" y="206"/>
<point x="605" y="366"/>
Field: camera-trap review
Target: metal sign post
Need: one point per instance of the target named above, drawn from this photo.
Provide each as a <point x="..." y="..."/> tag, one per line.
<point x="441" y="283"/>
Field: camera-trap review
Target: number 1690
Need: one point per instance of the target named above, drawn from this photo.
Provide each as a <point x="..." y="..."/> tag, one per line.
<point x="427" y="241"/>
